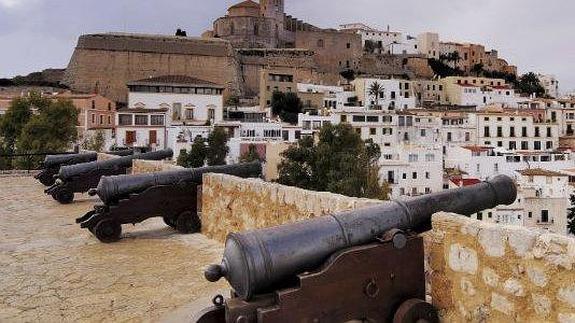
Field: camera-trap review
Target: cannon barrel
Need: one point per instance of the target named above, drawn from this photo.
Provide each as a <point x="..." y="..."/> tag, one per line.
<point x="255" y="262"/>
<point x="67" y="172"/>
<point x="57" y="160"/>
<point x="113" y="188"/>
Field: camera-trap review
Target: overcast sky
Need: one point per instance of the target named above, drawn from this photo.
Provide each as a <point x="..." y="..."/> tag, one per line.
<point x="535" y="35"/>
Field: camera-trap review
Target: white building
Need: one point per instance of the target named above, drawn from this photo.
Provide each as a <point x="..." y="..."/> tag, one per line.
<point x="413" y="170"/>
<point x="429" y="44"/>
<point x="516" y="130"/>
<point x="393" y="95"/>
<point x="551" y="85"/>
<point x="542" y="202"/>
<point x="483" y="162"/>
<point x="385" y="42"/>
<point x="168" y="111"/>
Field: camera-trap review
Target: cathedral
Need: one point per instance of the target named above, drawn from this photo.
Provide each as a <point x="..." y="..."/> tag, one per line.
<point x="249" y="24"/>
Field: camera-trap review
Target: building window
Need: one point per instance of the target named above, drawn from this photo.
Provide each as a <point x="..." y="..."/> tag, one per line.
<point x="93" y="104"/>
<point x="109" y="106"/>
<point x="427" y="175"/>
<point x="499" y="132"/>
<point x="157" y="120"/>
<point x="348" y="45"/>
<point x="109" y="120"/>
<point x="545" y="216"/>
<point x="101" y="119"/>
<point x="125" y="119"/>
<point x="524" y="132"/>
<point x="413" y="158"/>
<point x="511" y="131"/>
<point x="93" y="118"/>
<point x="320" y="43"/>
<point x="414" y="175"/>
<point x="480" y="216"/>
<point x="141" y="120"/>
<point x="372" y="131"/>
<point x="486" y="132"/>
<point x="189" y="114"/>
<point x="422" y="132"/>
<point x="256" y="29"/>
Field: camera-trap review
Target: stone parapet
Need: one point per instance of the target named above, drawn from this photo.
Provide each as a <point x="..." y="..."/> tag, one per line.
<point x="232" y="204"/>
<point x="484" y="272"/>
<point x="103" y="156"/>
<point x="140" y="166"/>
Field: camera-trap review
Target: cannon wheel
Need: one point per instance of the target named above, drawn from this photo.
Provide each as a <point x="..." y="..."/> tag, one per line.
<point x="171" y="221"/>
<point x="416" y="310"/>
<point x="47" y="180"/>
<point x="107" y="231"/>
<point x="64" y="196"/>
<point x="188" y="222"/>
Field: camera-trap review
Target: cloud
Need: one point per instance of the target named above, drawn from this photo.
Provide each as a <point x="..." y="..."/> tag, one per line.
<point x="13" y="4"/>
<point x="534" y="35"/>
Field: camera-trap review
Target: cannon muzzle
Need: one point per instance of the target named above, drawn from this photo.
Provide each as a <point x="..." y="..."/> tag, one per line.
<point x="256" y="262"/>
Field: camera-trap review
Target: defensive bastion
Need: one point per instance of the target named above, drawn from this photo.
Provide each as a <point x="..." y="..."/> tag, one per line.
<point x="476" y="272"/>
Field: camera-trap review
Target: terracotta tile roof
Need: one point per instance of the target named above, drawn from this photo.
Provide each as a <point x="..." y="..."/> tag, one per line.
<point x="461" y="182"/>
<point x="174" y="80"/>
<point x="539" y="172"/>
<point x="477" y="148"/>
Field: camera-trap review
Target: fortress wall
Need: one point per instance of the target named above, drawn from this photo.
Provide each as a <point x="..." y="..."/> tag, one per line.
<point x="105" y="63"/>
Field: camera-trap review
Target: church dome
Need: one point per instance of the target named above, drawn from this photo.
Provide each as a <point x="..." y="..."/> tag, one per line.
<point x="246" y="8"/>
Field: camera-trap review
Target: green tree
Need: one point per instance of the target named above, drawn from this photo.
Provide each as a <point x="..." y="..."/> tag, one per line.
<point x="18" y="115"/>
<point x="198" y="153"/>
<point x="250" y="155"/>
<point x="339" y="162"/>
<point x="287" y="106"/>
<point x="217" y="147"/>
<point x="477" y="69"/>
<point x="196" y="157"/>
<point x="53" y="129"/>
<point x="529" y="83"/>
<point x="182" y="158"/>
<point x="571" y="216"/>
<point x="95" y="143"/>
<point x="375" y="91"/>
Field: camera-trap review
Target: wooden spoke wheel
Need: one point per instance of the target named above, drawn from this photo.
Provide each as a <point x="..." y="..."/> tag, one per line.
<point x="107" y="231"/>
<point x="170" y="221"/>
<point x="64" y="196"/>
<point x="416" y="311"/>
<point x="188" y="222"/>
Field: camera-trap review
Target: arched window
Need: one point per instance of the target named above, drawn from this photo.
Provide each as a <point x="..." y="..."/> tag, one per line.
<point x="256" y="29"/>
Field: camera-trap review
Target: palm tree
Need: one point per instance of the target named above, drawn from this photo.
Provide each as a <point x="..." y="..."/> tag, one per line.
<point x="375" y="91"/>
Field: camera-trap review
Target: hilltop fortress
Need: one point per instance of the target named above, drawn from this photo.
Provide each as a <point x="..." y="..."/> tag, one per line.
<point x="250" y="37"/>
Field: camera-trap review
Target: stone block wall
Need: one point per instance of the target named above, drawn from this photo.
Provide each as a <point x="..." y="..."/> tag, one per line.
<point x="232" y="204"/>
<point x="491" y="273"/>
<point x="103" y="156"/>
<point x="140" y="166"/>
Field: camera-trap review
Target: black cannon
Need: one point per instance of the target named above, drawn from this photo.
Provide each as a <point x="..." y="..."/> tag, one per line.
<point x="171" y="195"/>
<point x="80" y="178"/>
<point x="365" y="264"/>
<point x="52" y="163"/>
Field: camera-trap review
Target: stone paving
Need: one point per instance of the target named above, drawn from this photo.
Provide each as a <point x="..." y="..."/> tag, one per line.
<point x="53" y="271"/>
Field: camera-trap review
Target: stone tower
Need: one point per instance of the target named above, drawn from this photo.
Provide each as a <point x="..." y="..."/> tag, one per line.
<point x="273" y="9"/>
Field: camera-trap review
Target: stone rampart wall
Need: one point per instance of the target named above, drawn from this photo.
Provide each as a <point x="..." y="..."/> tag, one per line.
<point x="140" y="166"/>
<point x="491" y="273"/>
<point x="232" y="204"/>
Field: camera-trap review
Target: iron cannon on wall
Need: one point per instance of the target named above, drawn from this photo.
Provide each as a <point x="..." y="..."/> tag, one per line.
<point x="80" y="178"/>
<point x="52" y="163"/>
<point x="365" y="265"/>
<point x="171" y="195"/>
